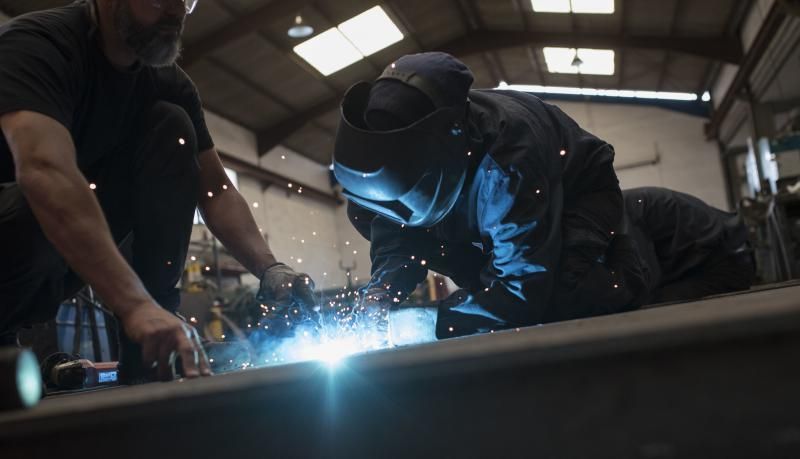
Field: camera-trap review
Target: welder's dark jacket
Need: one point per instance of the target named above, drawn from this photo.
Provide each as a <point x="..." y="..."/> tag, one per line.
<point x="537" y="188"/>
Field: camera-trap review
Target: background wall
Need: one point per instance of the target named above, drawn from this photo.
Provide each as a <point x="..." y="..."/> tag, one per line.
<point x="307" y="234"/>
<point x="684" y="159"/>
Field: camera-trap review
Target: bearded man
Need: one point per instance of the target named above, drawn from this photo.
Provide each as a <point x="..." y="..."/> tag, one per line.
<point x="104" y="138"/>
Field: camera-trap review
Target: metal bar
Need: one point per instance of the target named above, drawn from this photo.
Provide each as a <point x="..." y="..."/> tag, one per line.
<point x="713" y="378"/>
<point x="273" y="178"/>
<point x="481" y="41"/>
<point x="768" y="30"/>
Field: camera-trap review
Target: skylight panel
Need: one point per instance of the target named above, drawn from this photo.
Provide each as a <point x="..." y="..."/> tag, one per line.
<point x="328" y="52"/>
<point x="371" y="31"/>
<point x="551" y="6"/>
<point x="588" y="62"/>
<point x="593" y="6"/>
<point x="573" y="6"/>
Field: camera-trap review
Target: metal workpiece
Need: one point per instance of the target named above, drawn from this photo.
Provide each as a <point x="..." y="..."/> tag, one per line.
<point x="711" y="378"/>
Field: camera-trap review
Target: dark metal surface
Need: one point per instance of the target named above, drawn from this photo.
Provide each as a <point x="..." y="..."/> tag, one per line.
<point x="714" y="378"/>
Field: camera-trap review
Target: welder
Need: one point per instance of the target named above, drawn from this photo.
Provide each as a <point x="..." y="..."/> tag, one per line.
<point x="498" y="190"/>
<point x="103" y="138"/>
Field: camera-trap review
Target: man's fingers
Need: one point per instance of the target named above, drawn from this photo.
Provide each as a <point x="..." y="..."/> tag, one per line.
<point x="149" y="352"/>
<point x="205" y="367"/>
<point x="166" y="350"/>
<point x="187" y="348"/>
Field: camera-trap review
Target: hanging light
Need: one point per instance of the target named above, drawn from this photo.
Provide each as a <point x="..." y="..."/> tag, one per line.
<point x="577" y="62"/>
<point x="300" y="29"/>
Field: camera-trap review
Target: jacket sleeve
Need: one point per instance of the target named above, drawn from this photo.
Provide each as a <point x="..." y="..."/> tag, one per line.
<point x="391" y="251"/>
<point x="518" y="211"/>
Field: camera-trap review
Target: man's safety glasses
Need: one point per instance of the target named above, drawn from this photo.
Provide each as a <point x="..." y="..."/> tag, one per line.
<point x="189" y="5"/>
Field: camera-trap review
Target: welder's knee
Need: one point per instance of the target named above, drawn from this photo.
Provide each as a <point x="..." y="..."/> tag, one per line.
<point x="170" y="140"/>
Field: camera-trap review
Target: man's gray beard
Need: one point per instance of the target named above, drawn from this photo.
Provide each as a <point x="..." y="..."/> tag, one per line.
<point x="150" y="44"/>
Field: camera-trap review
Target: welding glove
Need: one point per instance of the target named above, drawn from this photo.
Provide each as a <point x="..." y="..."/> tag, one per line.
<point x="464" y="313"/>
<point x="373" y="310"/>
<point x="282" y="286"/>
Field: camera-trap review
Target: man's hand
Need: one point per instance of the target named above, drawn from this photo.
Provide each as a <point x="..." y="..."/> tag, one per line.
<point x="283" y="286"/>
<point x="163" y="337"/>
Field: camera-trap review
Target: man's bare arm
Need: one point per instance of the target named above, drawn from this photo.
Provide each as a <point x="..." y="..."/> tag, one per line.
<point x="71" y="219"/>
<point x="228" y="216"/>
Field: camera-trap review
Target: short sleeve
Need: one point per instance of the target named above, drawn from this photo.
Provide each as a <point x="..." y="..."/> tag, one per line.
<point x="179" y="89"/>
<point x="34" y="75"/>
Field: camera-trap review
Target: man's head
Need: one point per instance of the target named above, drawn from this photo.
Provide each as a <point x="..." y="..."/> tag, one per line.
<point x="151" y="28"/>
<point x="402" y="146"/>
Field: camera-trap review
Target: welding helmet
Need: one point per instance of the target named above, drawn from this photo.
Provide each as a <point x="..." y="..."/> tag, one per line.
<point x="412" y="175"/>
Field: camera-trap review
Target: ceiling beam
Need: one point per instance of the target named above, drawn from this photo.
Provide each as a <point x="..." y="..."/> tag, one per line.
<point x="717" y="48"/>
<point x="240" y="28"/>
<point x="677" y="11"/>
<point x="268" y="177"/>
<point x="623" y="32"/>
<point x="769" y="28"/>
<point x="485" y="41"/>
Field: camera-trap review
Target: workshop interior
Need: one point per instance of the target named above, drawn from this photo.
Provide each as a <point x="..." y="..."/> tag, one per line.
<point x="405" y="228"/>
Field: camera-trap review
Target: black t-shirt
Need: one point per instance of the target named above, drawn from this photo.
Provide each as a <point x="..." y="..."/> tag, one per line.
<point x="51" y="63"/>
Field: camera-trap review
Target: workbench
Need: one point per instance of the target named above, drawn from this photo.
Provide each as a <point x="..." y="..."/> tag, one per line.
<point x="716" y="378"/>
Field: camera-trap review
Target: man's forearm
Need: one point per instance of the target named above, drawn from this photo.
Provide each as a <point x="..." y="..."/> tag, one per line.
<point x="229" y="218"/>
<point x="72" y="220"/>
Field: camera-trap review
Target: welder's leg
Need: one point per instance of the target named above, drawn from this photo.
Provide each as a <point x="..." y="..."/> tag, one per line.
<point x="715" y="276"/>
<point x="31" y="271"/>
<point x="149" y="190"/>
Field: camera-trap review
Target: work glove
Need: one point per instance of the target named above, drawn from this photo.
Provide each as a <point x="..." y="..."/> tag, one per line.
<point x="282" y="286"/>
<point x="374" y="307"/>
<point x="463" y="313"/>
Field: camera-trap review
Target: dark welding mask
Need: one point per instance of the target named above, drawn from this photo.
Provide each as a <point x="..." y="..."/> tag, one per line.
<point x="412" y="175"/>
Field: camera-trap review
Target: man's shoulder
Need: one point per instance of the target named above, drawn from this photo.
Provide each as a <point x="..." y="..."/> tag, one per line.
<point x="63" y="27"/>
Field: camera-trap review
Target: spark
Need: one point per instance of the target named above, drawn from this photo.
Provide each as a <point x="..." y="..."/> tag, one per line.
<point x="283" y="156"/>
<point x="210" y="194"/>
<point x="193" y="258"/>
<point x="181" y="141"/>
<point x="224" y="187"/>
<point x="92" y="186"/>
<point x="255" y="205"/>
<point x="208" y="268"/>
<point x="563" y="153"/>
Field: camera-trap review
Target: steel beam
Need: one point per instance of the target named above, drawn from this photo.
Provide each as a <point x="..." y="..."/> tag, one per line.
<point x="240" y="28"/>
<point x="483" y="41"/>
<point x="713" y="378"/>
<point x="272" y="178"/>
<point x="769" y="28"/>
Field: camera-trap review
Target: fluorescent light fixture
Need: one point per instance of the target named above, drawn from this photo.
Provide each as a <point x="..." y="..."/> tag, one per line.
<point x="626" y="94"/>
<point x="349" y="42"/>
<point x="573" y="6"/>
<point x="593" y="61"/>
<point x="371" y="31"/>
<point x="328" y="52"/>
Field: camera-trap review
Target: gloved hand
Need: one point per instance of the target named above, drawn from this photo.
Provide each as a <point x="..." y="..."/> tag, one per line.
<point x="463" y="313"/>
<point x="282" y="286"/>
<point x="372" y="313"/>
